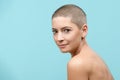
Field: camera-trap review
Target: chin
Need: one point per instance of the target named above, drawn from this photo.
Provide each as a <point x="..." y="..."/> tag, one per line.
<point x="64" y="51"/>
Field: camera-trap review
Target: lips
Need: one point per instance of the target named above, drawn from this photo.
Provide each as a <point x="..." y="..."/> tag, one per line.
<point x="62" y="45"/>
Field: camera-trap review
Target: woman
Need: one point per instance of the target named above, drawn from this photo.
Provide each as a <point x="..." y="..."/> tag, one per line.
<point x="69" y="26"/>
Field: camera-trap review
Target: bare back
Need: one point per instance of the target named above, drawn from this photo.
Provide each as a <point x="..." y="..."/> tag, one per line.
<point x="99" y="70"/>
<point x="93" y="66"/>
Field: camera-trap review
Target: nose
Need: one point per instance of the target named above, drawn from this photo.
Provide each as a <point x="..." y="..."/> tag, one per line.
<point x="60" y="37"/>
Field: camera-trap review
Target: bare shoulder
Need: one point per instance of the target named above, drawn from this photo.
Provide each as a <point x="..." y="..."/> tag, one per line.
<point x="77" y="62"/>
<point x="88" y="66"/>
<point x="77" y="69"/>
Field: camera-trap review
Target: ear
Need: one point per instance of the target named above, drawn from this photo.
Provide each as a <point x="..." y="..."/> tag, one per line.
<point x="84" y="30"/>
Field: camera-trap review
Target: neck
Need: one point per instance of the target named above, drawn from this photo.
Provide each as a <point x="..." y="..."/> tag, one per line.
<point x="77" y="51"/>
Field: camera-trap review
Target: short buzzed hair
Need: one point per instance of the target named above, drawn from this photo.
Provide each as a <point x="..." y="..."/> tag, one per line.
<point x="77" y="15"/>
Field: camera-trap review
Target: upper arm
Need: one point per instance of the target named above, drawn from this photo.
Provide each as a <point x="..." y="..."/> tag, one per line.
<point x="77" y="71"/>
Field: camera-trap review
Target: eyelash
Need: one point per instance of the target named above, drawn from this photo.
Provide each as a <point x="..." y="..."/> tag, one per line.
<point x="64" y="31"/>
<point x="54" y="31"/>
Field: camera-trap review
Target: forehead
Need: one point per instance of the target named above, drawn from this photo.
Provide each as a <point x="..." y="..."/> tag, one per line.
<point x="59" y="22"/>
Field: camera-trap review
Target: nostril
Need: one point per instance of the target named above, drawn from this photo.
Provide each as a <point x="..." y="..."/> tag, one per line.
<point x="60" y="41"/>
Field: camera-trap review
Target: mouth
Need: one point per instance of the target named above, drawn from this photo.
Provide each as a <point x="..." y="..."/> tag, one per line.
<point x="62" y="45"/>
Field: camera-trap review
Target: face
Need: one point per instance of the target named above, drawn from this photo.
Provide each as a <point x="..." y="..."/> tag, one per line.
<point x="66" y="34"/>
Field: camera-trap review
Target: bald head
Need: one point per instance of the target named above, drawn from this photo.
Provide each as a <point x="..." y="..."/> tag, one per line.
<point x="76" y="14"/>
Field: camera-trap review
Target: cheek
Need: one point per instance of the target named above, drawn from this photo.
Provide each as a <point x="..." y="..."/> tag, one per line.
<point x="74" y="39"/>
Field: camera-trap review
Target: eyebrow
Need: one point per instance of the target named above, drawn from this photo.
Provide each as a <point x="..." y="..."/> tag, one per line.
<point x="63" y="27"/>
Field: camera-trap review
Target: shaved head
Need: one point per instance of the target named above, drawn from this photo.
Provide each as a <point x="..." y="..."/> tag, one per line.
<point x="77" y="15"/>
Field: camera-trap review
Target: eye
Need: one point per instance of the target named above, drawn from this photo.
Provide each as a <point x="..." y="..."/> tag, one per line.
<point x="67" y="30"/>
<point x="54" y="31"/>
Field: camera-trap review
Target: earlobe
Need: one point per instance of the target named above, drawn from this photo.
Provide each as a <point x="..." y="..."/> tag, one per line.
<point x="82" y="38"/>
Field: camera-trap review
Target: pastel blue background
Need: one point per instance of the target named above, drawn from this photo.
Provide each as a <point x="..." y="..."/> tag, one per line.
<point x="27" y="49"/>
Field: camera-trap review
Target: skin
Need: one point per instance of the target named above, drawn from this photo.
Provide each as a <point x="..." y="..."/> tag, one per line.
<point x="85" y="64"/>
